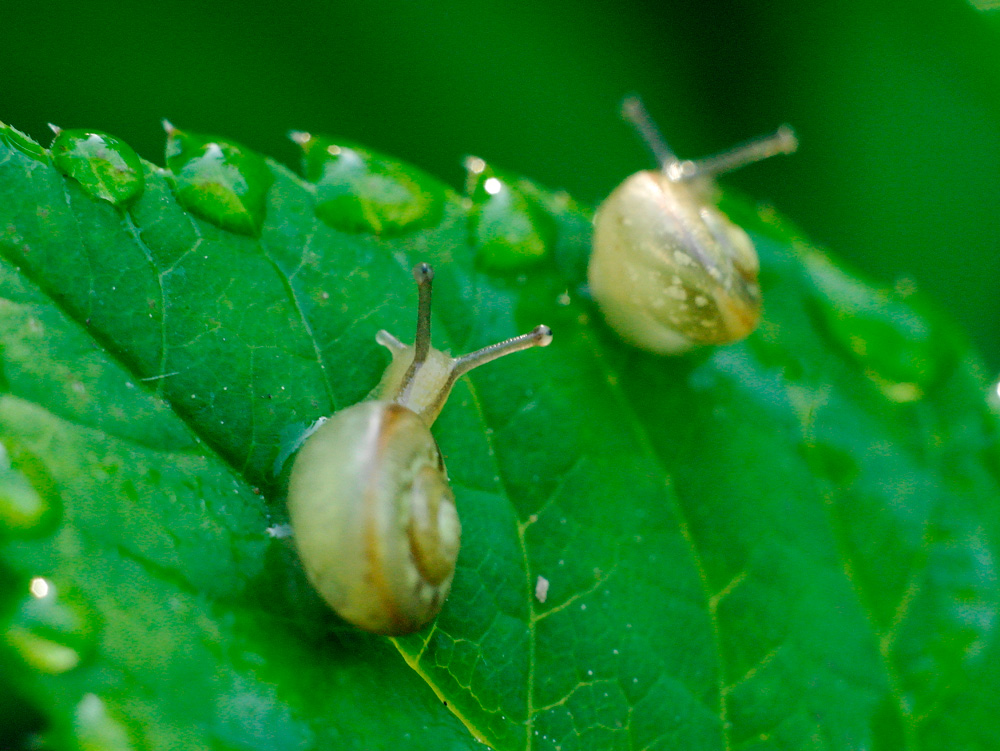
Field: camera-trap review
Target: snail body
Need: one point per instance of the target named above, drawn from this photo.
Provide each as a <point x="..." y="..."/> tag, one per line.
<point x="668" y="269"/>
<point x="373" y="514"/>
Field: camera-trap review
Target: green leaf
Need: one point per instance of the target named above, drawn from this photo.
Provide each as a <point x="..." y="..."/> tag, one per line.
<point x="508" y="227"/>
<point x="105" y="166"/>
<point x="786" y="543"/>
<point x="220" y="181"/>
<point x="358" y="190"/>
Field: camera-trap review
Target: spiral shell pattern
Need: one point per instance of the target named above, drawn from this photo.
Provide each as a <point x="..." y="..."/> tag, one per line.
<point x="374" y="518"/>
<point x="669" y="270"/>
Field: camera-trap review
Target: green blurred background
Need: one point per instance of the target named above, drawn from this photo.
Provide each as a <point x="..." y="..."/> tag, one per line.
<point x="897" y="105"/>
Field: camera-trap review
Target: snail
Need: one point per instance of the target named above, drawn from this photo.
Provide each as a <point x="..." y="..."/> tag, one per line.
<point x="371" y="510"/>
<point x="668" y="269"/>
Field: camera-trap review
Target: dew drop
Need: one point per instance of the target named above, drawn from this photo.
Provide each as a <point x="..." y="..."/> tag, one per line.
<point x="893" y="342"/>
<point x="96" y="729"/>
<point x="41" y="654"/>
<point x="359" y="190"/>
<point x="106" y="167"/>
<point x="22" y="507"/>
<point x="29" y="497"/>
<point x="48" y="632"/>
<point x="508" y="227"/>
<point x="993" y="397"/>
<point x="220" y="181"/>
<point x="280" y="531"/>
<point x="15" y="139"/>
<point x="39" y="587"/>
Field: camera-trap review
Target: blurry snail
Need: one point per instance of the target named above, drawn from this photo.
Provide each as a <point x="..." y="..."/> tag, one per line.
<point x="668" y="269"/>
<point x="372" y="512"/>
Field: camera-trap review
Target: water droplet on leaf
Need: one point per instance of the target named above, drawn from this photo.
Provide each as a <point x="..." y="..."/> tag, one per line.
<point x="28" y="498"/>
<point x="894" y="344"/>
<point x="21" y="506"/>
<point x="106" y="167"/>
<point x="508" y="227"/>
<point x="359" y="190"/>
<point x="96" y="729"/>
<point x="993" y="397"/>
<point x="291" y="438"/>
<point x="49" y="632"/>
<point x="220" y="181"/>
<point x="40" y="653"/>
<point x="15" y="139"/>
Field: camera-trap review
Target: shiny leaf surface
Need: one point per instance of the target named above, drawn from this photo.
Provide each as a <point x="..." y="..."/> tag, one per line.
<point x="757" y="546"/>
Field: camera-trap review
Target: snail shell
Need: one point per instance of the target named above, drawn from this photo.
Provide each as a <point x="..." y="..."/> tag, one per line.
<point x="380" y="543"/>
<point x="372" y="513"/>
<point x="669" y="270"/>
